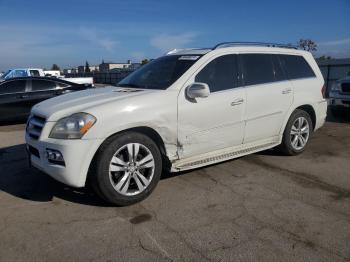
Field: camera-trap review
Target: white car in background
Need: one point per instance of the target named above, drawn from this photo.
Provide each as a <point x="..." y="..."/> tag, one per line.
<point x="187" y="109"/>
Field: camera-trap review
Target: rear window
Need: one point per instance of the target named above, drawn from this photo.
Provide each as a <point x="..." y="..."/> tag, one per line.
<point x="41" y="85"/>
<point x="296" y="66"/>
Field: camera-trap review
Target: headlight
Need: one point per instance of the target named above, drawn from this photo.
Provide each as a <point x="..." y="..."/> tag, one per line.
<point x="336" y="87"/>
<point x="73" y="127"/>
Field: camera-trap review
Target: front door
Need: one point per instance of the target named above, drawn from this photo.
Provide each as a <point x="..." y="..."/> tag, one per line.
<point x="214" y="122"/>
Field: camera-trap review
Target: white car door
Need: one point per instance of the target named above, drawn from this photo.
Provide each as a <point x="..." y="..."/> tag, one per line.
<point x="269" y="96"/>
<point x="214" y="122"/>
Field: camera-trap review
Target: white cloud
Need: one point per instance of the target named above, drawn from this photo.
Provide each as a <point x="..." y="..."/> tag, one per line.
<point x="138" y="56"/>
<point x="341" y="42"/>
<point x="95" y="37"/>
<point x="166" y="42"/>
<point x="335" y="48"/>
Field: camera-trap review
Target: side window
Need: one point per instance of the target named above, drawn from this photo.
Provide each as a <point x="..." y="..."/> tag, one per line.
<point x="296" y="66"/>
<point x="34" y="73"/>
<point x="41" y="85"/>
<point x="257" y="69"/>
<point x="220" y="74"/>
<point x="20" y="73"/>
<point x="16" y="86"/>
<point x="279" y="73"/>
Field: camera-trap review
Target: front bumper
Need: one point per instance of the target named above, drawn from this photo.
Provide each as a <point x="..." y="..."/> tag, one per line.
<point x="77" y="155"/>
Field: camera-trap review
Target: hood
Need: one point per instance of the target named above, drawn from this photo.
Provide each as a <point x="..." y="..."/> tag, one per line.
<point x="61" y="106"/>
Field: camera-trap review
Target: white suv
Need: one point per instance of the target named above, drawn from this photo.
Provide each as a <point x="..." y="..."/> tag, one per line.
<point x="186" y="109"/>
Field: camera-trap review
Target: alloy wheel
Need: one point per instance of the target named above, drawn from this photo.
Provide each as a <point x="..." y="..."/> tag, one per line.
<point x="300" y="132"/>
<point x="131" y="169"/>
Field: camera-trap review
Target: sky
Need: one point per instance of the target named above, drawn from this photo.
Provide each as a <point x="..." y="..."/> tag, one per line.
<point x="36" y="33"/>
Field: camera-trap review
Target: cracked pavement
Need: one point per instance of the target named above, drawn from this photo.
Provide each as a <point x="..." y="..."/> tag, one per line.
<point x="261" y="207"/>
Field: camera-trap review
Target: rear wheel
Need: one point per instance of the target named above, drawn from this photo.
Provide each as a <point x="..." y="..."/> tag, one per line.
<point x="297" y="133"/>
<point x="127" y="168"/>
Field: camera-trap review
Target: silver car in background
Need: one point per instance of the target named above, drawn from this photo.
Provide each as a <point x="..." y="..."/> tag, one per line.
<point x="339" y="96"/>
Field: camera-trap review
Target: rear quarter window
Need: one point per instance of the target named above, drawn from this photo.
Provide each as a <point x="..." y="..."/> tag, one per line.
<point x="296" y="67"/>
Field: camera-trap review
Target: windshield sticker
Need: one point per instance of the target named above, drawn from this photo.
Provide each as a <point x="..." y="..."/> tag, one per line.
<point x="189" y="57"/>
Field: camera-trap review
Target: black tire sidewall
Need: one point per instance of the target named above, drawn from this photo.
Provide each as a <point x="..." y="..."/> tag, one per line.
<point x="286" y="142"/>
<point x="105" y="154"/>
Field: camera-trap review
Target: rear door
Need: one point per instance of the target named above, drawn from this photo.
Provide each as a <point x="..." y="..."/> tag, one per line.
<point x="14" y="101"/>
<point x="269" y="95"/>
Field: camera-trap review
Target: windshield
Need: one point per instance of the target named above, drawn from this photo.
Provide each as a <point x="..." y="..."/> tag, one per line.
<point x="6" y="74"/>
<point x="160" y="73"/>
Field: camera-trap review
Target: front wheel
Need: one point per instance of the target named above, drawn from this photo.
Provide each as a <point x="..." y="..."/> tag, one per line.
<point x="297" y="133"/>
<point x="127" y="168"/>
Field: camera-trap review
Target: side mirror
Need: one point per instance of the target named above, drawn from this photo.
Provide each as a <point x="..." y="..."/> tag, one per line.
<point x="197" y="90"/>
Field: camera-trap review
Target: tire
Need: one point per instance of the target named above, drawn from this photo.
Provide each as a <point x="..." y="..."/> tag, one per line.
<point x="295" y="138"/>
<point x="126" y="169"/>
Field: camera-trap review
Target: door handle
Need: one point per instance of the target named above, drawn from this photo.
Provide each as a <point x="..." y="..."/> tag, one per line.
<point x="237" y="101"/>
<point x="286" y="91"/>
<point x="23" y="96"/>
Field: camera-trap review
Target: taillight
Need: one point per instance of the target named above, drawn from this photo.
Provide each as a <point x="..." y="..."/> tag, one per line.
<point x="323" y="91"/>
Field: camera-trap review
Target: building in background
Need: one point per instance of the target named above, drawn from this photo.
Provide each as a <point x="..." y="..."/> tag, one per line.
<point x="106" y="67"/>
<point x="334" y="69"/>
<point x="93" y="69"/>
<point x="67" y="71"/>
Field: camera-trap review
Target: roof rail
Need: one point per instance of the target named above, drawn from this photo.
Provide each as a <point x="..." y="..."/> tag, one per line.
<point x="174" y="51"/>
<point x="228" y="44"/>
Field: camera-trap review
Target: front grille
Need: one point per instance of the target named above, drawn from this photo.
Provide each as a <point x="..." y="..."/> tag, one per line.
<point x="35" y="126"/>
<point x="345" y="87"/>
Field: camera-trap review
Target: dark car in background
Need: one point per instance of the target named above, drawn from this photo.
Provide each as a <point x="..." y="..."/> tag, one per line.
<point x="18" y="95"/>
<point x="339" y="97"/>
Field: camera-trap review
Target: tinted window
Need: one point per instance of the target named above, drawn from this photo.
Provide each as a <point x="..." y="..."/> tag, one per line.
<point x="160" y="73"/>
<point x="38" y="85"/>
<point x="220" y="74"/>
<point x="13" y="87"/>
<point x="279" y="73"/>
<point x="258" y="69"/>
<point x="296" y="66"/>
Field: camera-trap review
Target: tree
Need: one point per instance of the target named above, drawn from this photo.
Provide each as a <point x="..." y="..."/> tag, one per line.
<point x="324" y="57"/>
<point x="307" y="44"/>
<point x="55" y="67"/>
<point x="87" y="67"/>
<point x="144" y="61"/>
